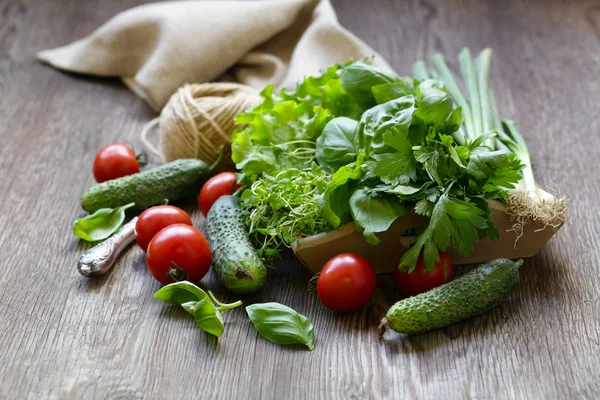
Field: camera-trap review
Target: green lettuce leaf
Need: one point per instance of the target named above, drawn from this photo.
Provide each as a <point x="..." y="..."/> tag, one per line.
<point x="281" y="132"/>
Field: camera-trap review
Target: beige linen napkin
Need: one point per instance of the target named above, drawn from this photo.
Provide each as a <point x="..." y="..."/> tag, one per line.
<point x="158" y="47"/>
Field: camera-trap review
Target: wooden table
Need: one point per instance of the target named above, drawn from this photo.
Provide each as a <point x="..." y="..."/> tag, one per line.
<point x="64" y="336"/>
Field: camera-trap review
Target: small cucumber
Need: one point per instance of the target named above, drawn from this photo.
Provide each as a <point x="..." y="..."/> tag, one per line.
<point x="474" y="293"/>
<point x="235" y="261"/>
<point x="173" y="181"/>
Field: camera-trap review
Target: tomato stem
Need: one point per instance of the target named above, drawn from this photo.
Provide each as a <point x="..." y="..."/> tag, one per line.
<point x="312" y="282"/>
<point x="223" y="306"/>
<point x="141" y="159"/>
<point x="177" y="273"/>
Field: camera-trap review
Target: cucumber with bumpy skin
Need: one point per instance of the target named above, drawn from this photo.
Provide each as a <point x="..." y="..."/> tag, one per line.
<point x="481" y="289"/>
<point x="173" y="181"/>
<point x="235" y="261"/>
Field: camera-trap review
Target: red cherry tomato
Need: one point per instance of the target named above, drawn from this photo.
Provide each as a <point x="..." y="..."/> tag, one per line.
<point x="180" y="250"/>
<point x="219" y="185"/>
<point x="346" y="283"/>
<point x="154" y="219"/>
<point x="419" y="280"/>
<point x="114" y="161"/>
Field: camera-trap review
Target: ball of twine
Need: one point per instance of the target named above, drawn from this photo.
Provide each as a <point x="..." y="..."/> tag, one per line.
<point x="198" y="122"/>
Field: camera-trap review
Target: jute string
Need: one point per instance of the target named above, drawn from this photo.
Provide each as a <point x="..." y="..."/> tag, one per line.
<point x="198" y="121"/>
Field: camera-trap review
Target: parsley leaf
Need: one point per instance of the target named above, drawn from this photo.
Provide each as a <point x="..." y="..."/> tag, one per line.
<point x="452" y="221"/>
<point x="398" y="167"/>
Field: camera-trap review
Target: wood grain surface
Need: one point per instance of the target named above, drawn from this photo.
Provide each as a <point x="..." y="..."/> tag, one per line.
<point x="67" y="337"/>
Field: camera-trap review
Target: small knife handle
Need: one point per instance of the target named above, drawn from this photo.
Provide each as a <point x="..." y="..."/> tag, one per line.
<point x="100" y="258"/>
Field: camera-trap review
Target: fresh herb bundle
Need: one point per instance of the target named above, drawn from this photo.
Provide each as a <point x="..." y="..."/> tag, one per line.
<point x="384" y="145"/>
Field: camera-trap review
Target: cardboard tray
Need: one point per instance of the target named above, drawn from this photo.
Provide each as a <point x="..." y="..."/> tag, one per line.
<point x="315" y="251"/>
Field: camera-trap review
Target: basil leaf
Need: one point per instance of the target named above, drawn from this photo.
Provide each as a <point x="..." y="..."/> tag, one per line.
<point x="281" y="324"/>
<point x="180" y="292"/>
<point x="198" y="303"/>
<point x="207" y="317"/>
<point x="395" y="114"/>
<point x="101" y="224"/>
<point x="390" y="91"/>
<point x="434" y="104"/>
<point x="375" y="214"/>
<point x="333" y="204"/>
<point x="358" y="79"/>
<point x="335" y="146"/>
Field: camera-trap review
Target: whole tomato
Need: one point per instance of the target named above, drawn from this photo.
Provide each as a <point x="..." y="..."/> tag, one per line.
<point x="346" y="283"/>
<point x="419" y="280"/>
<point x="178" y="252"/>
<point x="219" y="185"/>
<point x="115" y="161"/>
<point x="154" y="219"/>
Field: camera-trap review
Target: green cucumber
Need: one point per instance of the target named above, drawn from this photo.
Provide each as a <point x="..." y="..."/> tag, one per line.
<point x="474" y="293"/>
<point x="173" y="181"/>
<point x="235" y="261"/>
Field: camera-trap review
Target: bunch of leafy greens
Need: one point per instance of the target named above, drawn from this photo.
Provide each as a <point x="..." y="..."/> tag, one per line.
<point x="384" y="145"/>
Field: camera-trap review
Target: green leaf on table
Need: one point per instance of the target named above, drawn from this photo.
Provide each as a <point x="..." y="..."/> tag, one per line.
<point x="375" y="213"/>
<point x="358" y="78"/>
<point x="335" y="146"/>
<point x="207" y="317"/>
<point x="101" y="224"/>
<point x="181" y="292"/>
<point x="198" y="303"/>
<point x="281" y="324"/>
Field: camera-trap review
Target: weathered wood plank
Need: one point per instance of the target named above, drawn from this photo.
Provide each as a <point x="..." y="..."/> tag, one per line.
<point x="67" y="337"/>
